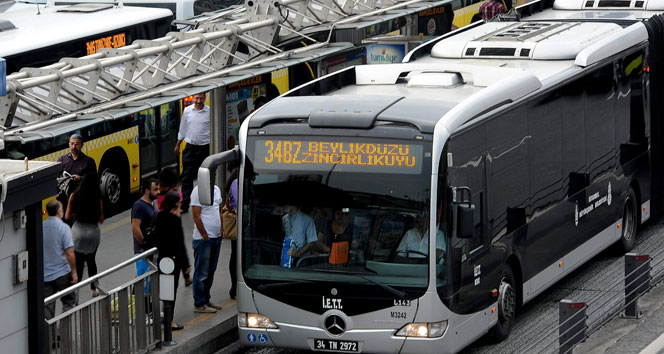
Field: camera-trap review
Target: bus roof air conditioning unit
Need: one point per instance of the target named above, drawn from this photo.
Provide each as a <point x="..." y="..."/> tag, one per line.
<point x="648" y="5"/>
<point x="536" y="41"/>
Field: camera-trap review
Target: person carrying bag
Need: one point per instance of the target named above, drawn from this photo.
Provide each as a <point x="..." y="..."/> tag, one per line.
<point x="229" y="221"/>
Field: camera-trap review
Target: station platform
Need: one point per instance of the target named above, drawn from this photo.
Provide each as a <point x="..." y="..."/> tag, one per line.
<point x="202" y="333"/>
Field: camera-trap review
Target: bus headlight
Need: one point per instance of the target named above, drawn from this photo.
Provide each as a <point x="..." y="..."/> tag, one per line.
<point x="254" y="320"/>
<point x="423" y="329"/>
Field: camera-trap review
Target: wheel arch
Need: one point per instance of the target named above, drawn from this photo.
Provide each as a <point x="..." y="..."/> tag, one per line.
<point x="115" y="157"/>
<point x="514" y="263"/>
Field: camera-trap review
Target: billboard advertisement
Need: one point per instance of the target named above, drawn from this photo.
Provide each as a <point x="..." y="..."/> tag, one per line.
<point x="386" y="53"/>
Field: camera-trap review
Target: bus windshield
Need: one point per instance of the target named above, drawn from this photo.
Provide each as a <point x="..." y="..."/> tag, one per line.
<point x="352" y="211"/>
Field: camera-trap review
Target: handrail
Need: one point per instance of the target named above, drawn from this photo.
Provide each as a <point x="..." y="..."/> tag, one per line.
<point x="100" y="275"/>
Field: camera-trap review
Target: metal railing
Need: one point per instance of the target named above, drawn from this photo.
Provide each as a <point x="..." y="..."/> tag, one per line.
<point x="577" y="320"/>
<point x="125" y="319"/>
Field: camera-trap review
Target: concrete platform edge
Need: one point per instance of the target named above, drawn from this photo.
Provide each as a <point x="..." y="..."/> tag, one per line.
<point x="207" y="336"/>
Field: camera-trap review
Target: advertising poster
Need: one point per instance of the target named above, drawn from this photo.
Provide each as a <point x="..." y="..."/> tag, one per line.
<point x="342" y="62"/>
<point x="386" y="53"/>
<point x="435" y="21"/>
<point x="240" y="98"/>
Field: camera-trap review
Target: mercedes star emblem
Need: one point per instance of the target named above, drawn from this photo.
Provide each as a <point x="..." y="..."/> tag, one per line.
<point x="335" y="325"/>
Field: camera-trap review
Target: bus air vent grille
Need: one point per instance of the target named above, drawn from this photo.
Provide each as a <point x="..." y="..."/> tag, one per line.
<point x="614" y="3"/>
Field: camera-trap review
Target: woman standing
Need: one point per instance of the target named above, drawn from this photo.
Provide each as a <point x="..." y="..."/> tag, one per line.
<point x="86" y="211"/>
<point x="170" y="243"/>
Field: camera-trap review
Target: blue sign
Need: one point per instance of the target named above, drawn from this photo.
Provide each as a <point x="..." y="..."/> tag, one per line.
<point x="386" y="53"/>
<point x="251" y="338"/>
<point x="262" y="338"/>
<point x="3" y="77"/>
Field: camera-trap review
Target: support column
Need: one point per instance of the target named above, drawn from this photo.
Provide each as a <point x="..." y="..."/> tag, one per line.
<point x="218" y="128"/>
<point x="35" y="248"/>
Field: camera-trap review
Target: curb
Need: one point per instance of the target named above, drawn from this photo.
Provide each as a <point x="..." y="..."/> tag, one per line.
<point x="207" y="334"/>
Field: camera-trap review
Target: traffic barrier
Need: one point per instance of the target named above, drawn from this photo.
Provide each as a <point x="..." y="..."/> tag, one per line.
<point x="575" y="322"/>
<point x="572" y="324"/>
<point x="637" y="281"/>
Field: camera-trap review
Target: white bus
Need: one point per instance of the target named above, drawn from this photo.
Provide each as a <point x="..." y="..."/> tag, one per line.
<point x="523" y="146"/>
<point x="35" y="36"/>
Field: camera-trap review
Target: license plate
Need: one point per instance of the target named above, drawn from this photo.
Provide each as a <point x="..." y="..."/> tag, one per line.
<point x="332" y="345"/>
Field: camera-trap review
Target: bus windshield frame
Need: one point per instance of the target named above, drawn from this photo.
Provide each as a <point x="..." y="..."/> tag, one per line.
<point x="381" y="209"/>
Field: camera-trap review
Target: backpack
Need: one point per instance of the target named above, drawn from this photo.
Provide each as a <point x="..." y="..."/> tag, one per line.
<point x="150" y="237"/>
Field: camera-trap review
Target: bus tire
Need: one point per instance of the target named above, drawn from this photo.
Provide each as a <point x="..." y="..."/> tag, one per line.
<point x="630" y="222"/>
<point x="112" y="188"/>
<point x="507" y="304"/>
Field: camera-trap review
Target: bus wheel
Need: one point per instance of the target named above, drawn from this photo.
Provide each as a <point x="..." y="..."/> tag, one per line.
<point x="630" y="222"/>
<point x="111" y="189"/>
<point x="507" y="298"/>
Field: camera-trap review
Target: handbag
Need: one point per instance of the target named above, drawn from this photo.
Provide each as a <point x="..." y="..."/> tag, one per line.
<point x="228" y="222"/>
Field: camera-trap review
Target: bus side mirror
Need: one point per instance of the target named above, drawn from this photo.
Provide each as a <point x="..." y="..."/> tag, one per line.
<point x="465" y="220"/>
<point x="208" y="171"/>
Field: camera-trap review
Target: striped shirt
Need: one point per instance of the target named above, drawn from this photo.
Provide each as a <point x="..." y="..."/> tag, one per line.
<point x="491" y="8"/>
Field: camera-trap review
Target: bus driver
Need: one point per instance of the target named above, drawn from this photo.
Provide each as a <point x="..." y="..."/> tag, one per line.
<point x="415" y="242"/>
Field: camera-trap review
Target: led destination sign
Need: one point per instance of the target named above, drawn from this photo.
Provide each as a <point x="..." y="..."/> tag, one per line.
<point x="114" y="41"/>
<point x="343" y="156"/>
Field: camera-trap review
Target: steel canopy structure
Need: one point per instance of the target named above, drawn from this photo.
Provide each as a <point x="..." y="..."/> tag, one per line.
<point x="38" y="97"/>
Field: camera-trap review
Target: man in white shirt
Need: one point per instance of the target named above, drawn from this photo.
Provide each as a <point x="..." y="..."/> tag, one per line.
<point x="207" y="246"/>
<point x="195" y="130"/>
<point x="415" y="243"/>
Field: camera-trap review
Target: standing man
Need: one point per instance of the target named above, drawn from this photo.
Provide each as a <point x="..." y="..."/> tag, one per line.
<point x="489" y="9"/>
<point x="59" y="260"/>
<point x="195" y="130"/>
<point x="207" y="245"/>
<point x="76" y="162"/>
<point x="142" y="213"/>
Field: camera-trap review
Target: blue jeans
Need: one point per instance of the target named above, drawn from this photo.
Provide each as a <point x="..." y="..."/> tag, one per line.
<point x="206" y="255"/>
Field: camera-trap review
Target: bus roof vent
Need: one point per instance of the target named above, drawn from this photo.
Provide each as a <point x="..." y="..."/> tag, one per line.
<point x="85" y="8"/>
<point x="530" y="40"/>
<point x="350" y="111"/>
<point x="429" y="79"/>
<point x="650" y="5"/>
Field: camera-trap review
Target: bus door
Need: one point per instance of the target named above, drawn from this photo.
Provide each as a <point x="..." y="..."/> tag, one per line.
<point x="470" y="258"/>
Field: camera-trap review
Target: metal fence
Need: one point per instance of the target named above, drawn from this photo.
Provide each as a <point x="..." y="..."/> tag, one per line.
<point x="125" y="319"/>
<point x="579" y="319"/>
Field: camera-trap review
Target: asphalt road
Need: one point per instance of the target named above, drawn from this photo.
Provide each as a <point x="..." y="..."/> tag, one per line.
<point x="599" y="283"/>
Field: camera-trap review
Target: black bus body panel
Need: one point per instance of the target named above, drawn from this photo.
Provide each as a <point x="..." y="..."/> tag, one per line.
<point x="541" y="172"/>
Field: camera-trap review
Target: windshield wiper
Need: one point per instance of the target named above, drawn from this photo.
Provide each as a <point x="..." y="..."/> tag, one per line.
<point x="397" y="292"/>
<point x="278" y="285"/>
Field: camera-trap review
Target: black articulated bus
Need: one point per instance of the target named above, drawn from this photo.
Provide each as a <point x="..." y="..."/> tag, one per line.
<point x="524" y="146"/>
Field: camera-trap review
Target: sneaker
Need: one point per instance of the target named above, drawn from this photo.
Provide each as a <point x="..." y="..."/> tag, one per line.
<point x="95" y="293"/>
<point x="214" y="306"/>
<point x="169" y="343"/>
<point x="204" y="309"/>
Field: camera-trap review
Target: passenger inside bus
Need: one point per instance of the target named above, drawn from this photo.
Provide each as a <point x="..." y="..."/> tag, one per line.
<point x="301" y="229"/>
<point x="340" y="229"/>
<point x="414" y="245"/>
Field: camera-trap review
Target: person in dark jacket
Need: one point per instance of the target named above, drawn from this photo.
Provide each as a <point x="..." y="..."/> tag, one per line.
<point x="170" y="242"/>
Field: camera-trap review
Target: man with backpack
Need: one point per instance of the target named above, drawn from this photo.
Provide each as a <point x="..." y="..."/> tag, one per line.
<point x="142" y="213"/>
